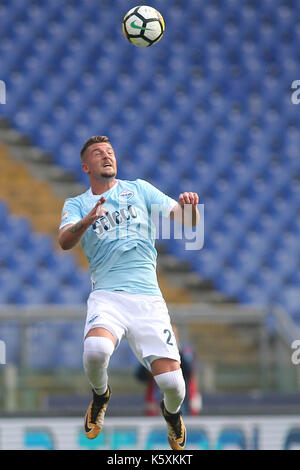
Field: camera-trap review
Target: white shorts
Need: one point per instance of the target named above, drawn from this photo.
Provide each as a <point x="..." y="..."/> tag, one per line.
<point x="142" y="319"/>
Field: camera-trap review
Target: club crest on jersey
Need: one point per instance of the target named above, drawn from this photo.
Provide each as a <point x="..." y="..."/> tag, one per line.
<point x="126" y="195"/>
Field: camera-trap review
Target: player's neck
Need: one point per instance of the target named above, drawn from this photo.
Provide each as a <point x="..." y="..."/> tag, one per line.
<point x="100" y="187"/>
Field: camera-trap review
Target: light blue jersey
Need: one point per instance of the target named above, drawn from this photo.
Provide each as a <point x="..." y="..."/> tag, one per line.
<point x="120" y="246"/>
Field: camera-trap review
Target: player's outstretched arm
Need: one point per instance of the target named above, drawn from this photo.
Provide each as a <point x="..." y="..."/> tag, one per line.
<point x="186" y="211"/>
<point x="71" y="234"/>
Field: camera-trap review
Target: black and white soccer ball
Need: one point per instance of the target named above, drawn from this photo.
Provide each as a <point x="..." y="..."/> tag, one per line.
<point x="143" y="26"/>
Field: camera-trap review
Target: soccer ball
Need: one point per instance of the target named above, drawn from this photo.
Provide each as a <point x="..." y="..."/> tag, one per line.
<point x="143" y="26"/>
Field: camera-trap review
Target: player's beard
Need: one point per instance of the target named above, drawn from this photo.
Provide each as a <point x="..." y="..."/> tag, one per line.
<point x="109" y="175"/>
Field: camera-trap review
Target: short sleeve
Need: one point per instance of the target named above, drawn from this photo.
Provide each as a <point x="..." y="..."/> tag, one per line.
<point x="71" y="213"/>
<point x="156" y="200"/>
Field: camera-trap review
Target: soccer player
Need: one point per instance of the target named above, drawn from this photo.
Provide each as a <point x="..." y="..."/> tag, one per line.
<point x="112" y="219"/>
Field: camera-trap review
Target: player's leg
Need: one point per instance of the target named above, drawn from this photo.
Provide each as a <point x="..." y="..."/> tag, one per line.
<point x="152" y="339"/>
<point x="104" y="329"/>
<point x="168" y="376"/>
<point x="155" y="345"/>
<point x="99" y="345"/>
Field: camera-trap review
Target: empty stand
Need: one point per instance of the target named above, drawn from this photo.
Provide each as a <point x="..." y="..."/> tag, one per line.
<point x="31" y="271"/>
<point x="207" y="109"/>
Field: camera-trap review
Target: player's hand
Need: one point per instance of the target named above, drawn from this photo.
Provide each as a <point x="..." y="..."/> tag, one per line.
<point x="97" y="212"/>
<point x="188" y="198"/>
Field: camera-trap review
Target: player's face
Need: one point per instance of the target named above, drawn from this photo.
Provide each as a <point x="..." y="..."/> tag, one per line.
<point x="100" y="161"/>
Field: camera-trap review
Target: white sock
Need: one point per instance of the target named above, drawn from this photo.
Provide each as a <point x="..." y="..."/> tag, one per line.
<point x="173" y="386"/>
<point x="96" y="354"/>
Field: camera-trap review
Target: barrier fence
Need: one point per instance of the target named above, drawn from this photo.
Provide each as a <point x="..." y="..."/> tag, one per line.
<point x="235" y="347"/>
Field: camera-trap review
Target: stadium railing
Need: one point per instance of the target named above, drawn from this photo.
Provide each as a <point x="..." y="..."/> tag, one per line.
<point x="238" y="350"/>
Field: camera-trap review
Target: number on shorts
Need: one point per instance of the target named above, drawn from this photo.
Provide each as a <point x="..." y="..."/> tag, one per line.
<point x="169" y="337"/>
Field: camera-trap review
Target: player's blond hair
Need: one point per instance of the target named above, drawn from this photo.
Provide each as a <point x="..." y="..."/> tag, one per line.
<point x="94" y="140"/>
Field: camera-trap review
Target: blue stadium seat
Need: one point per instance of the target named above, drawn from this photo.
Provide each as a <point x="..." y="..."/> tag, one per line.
<point x="45" y="333"/>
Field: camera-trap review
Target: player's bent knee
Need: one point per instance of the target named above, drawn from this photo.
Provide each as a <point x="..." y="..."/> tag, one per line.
<point x="172" y="383"/>
<point x="97" y="351"/>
